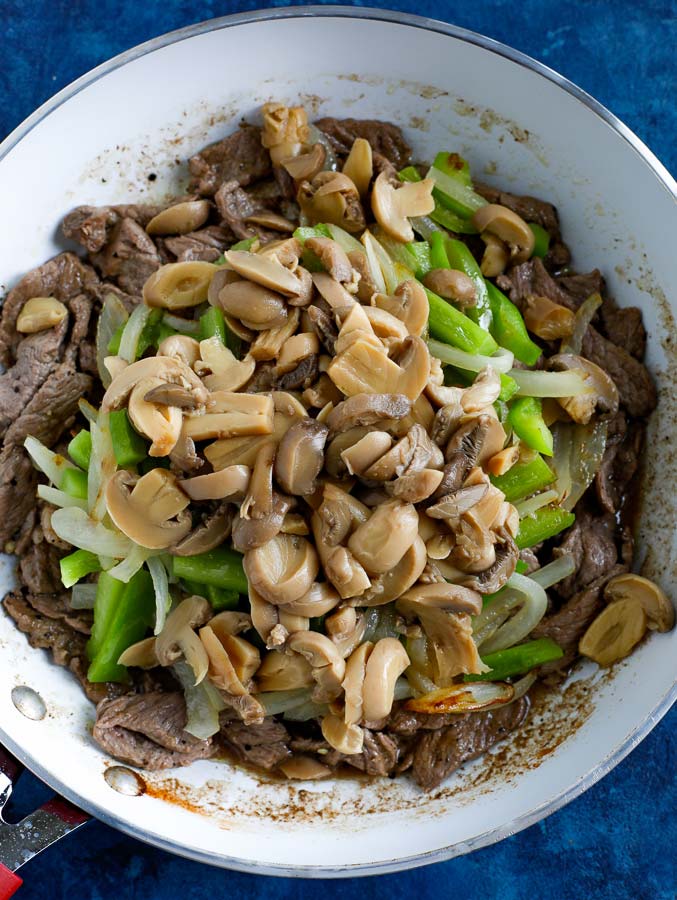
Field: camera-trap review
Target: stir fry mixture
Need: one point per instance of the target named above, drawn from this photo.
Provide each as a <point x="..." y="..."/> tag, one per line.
<point x="334" y="456"/>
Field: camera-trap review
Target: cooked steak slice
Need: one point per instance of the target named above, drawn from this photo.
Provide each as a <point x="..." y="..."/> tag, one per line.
<point x="636" y="389"/>
<point x="240" y="157"/>
<point x="90" y="226"/>
<point x="129" y="256"/>
<point x="207" y="244"/>
<point x="384" y="137"/>
<point x="438" y="753"/>
<point x="264" y="745"/>
<point x="591" y="541"/>
<point x="147" y="730"/>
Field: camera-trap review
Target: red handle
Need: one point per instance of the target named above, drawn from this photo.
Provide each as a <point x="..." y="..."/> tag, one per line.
<point x="9" y="883"/>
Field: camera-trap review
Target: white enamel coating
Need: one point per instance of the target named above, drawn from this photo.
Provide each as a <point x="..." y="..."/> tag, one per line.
<point x="521" y="126"/>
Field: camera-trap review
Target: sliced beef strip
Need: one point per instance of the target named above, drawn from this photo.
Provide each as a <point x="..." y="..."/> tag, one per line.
<point x="235" y="205"/>
<point x="438" y="753"/>
<point x="380" y="754"/>
<point x="129" y="256"/>
<point x="207" y="244"/>
<point x="90" y="226"/>
<point x="582" y="285"/>
<point x="240" y="157"/>
<point x="533" y="278"/>
<point x="620" y="462"/>
<point x="591" y="541"/>
<point x="39" y="569"/>
<point x="384" y="137"/>
<point x="65" y="276"/>
<point x="636" y="389"/>
<point x="624" y="327"/>
<point x="45" y="632"/>
<point x="265" y="745"/>
<point x="531" y="209"/>
<point x="568" y="625"/>
<point x="147" y="730"/>
<point x="403" y="722"/>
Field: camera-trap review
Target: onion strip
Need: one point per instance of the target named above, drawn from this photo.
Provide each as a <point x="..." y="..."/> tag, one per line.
<point x="203" y="703"/>
<point x="555" y="571"/>
<point x="496" y="629"/>
<point x="52" y="464"/>
<point x="373" y="263"/>
<point x="113" y="315"/>
<point x="60" y="498"/>
<point x="533" y="504"/>
<point x="584" y="315"/>
<point x="131" y="564"/>
<point x="500" y="362"/>
<point x="74" y="526"/>
<point x="550" y="384"/>
<point x="129" y="342"/>
<point x="163" y="599"/>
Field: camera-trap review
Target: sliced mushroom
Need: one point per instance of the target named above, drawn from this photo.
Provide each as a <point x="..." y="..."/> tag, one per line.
<point x="358" y="457"/>
<point x="263" y="270"/>
<point x="328" y="666"/>
<point x="285" y="130"/>
<point x="615" y="632"/>
<point x="181" y="347"/>
<point x="451" y="645"/>
<point x="410" y="454"/>
<point x="281" y="671"/>
<point x="478" y="439"/>
<point x="268" y="344"/>
<point x="178" y="638"/>
<point x="381" y="542"/>
<point x="258" y="502"/>
<point x="393" y="583"/>
<point x="341" y="568"/>
<point x="603" y="394"/>
<point x="156" y="421"/>
<point x="546" y="319"/>
<point x="283" y="569"/>
<point x="660" y="612"/>
<point x="474" y="550"/>
<point x="220" y="368"/>
<point x="179" y="285"/>
<point x="39" y="314"/>
<point x="394" y="205"/>
<point x="366" y="286"/>
<point x="484" y="391"/>
<point x="332" y="198"/>
<point x="181" y="218"/>
<point x="141" y="655"/>
<point x="509" y="227"/>
<point x="304" y="768"/>
<point x="167" y="369"/>
<point x="333" y="257"/>
<point x="244" y="656"/>
<point x="294" y="523"/>
<point x="212" y="529"/>
<point x="453" y="505"/>
<point x="452" y="285"/>
<point x="443" y="595"/>
<point x="230" y="415"/>
<point x="305" y="166"/>
<point x="347" y="739"/>
<point x="356" y="669"/>
<point x="184" y="456"/>
<point x="414" y="487"/>
<point x="232" y="660"/>
<point x="386" y="326"/>
<point x="273" y="221"/>
<point x="346" y="629"/>
<point x="170" y="395"/>
<point x="410" y="304"/>
<point x="495" y="257"/>
<point x="495" y="577"/>
<point x="359" y="165"/>
<point x="295" y="349"/>
<point x="230" y="483"/>
<point x="153" y="514"/>
<point x="503" y="461"/>
<point x="114" y="365"/>
<point x="243" y="451"/>
<point x="320" y="599"/>
<point x="300" y="457"/>
<point x="386" y="662"/>
<point x="334" y="293"/>
<point x="366" y="409"/>
<point x="258" y="307"/>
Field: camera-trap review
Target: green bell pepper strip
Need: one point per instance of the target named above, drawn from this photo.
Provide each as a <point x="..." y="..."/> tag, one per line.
<point x="80" y="449"/>
<point x="462" y="259"/>
<point x="114" y="343"/>
<point x="453" y="165"/>
<point x="109" y="592"/>
<point x="524" y="479"/>
<point x="76" y="565"/>
<point x="541" y="237"/>
<point x="521" y="567"/>
<point x="221" y="599"/>
<point x="509" y="388"/>
<point x="245" y="244"/>
<point x="414" y="256"/>
<point x="460" y="198"/>
<point x="448" y="324"/>
<point x="131" y="615"/>
<point x="507" y="326"/>
<point x="518" y="660"/>
<point x="149" y="336"/>
<point x="526" y="419"/>
<point x="74" y="483"/>
<point x="305" y="232"/>
<point x="165" y="331"/>
<point x="212" y="324"/>
<point x="438" y="253"/>
<point x="442" y="214"/>
<point x="221" y="568"/>
<point x="128" y="445"/>
<point x="543" y="524"/>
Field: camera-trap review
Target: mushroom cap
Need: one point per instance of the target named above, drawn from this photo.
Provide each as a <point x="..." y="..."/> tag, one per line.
<point x="230" y="483"/>
<point x="409" y="303"/>
<point x="604" y="393"/>
<point x="282" y="671"/>
<point x="660" y="612"/>
<point x="300" y="457"/>
<point x="153" y="514"/>
<point x="347" y="739"/>
<point x="367" y="409"/>
<point x="263" y="270"/>
<point x="615" y="632"/>
<point x="181" y="218"/>
<point x="305" y="166"/>
<point x="179" y="285"/>
<point x="259" y="308"/>
<point x="509" y="227"/>
<point x="169" y="370"/>
<point x="353" y="682"/>
<point x="393" y="583"/>
<point x="155" y="419"/>
<point x="178" y="638"/>
<point x="392" y="206"/>
<point x="283" y="569"/>
<point x="208" y="534"/>
<point x="381" y="542"/>
<point x="320" y="600"/>
<point x="386" y="662"/>
<point x="452" y="285"/>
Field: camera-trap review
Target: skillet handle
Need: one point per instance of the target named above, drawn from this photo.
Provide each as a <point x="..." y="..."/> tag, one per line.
<point x="9" y="883"/>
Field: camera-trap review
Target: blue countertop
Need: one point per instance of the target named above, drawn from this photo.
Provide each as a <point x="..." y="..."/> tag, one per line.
<point x="617" y="840"/>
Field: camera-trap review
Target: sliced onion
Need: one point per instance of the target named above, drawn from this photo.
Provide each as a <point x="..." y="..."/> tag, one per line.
<point x="462" y="698"/>
<point x="186" y="326"/>
<point x="275" y="702"/>
<point x="588" y="443"/>
<point x="555" y="571"/>
<point x="496" y="629"/>
<point x="53" y="465"/>
<point x="113" y="315"/>
<point x="74" y="526"/>
<point x="561" y="459"/>
<point x="102" y="466"/>
<point x="403" y="690"/>
<point x="60" y="498"/>
<point x="346" y="241"/>
<point x="91" y="413"/>
<point x="315" y="136"/>
<point x="83" y="596"/>
<point x="584" y="315"/>
<point x="424" y="226"/>
<point x="550" y="384"/>
<point x="380" y="623"/>
<point x="202" y="706"/>
<point x="387" y="267"/>
<point x="163" y="599"/>
<point x="500" y="362"/>
<point x="523" y="685"/>
<point x="419" y="682"/>
<point x="533" y="504"/>
<point x="307" y="711"/>
<point x="373" y="262"/>
<point x="131" y="564"/>
<point x="129" y="342"/>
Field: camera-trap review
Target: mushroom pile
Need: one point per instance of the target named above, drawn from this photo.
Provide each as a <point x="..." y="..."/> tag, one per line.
<point x="329" y="452"/>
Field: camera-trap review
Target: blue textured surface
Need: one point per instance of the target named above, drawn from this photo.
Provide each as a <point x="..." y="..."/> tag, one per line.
<point x="617" y="840"/>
